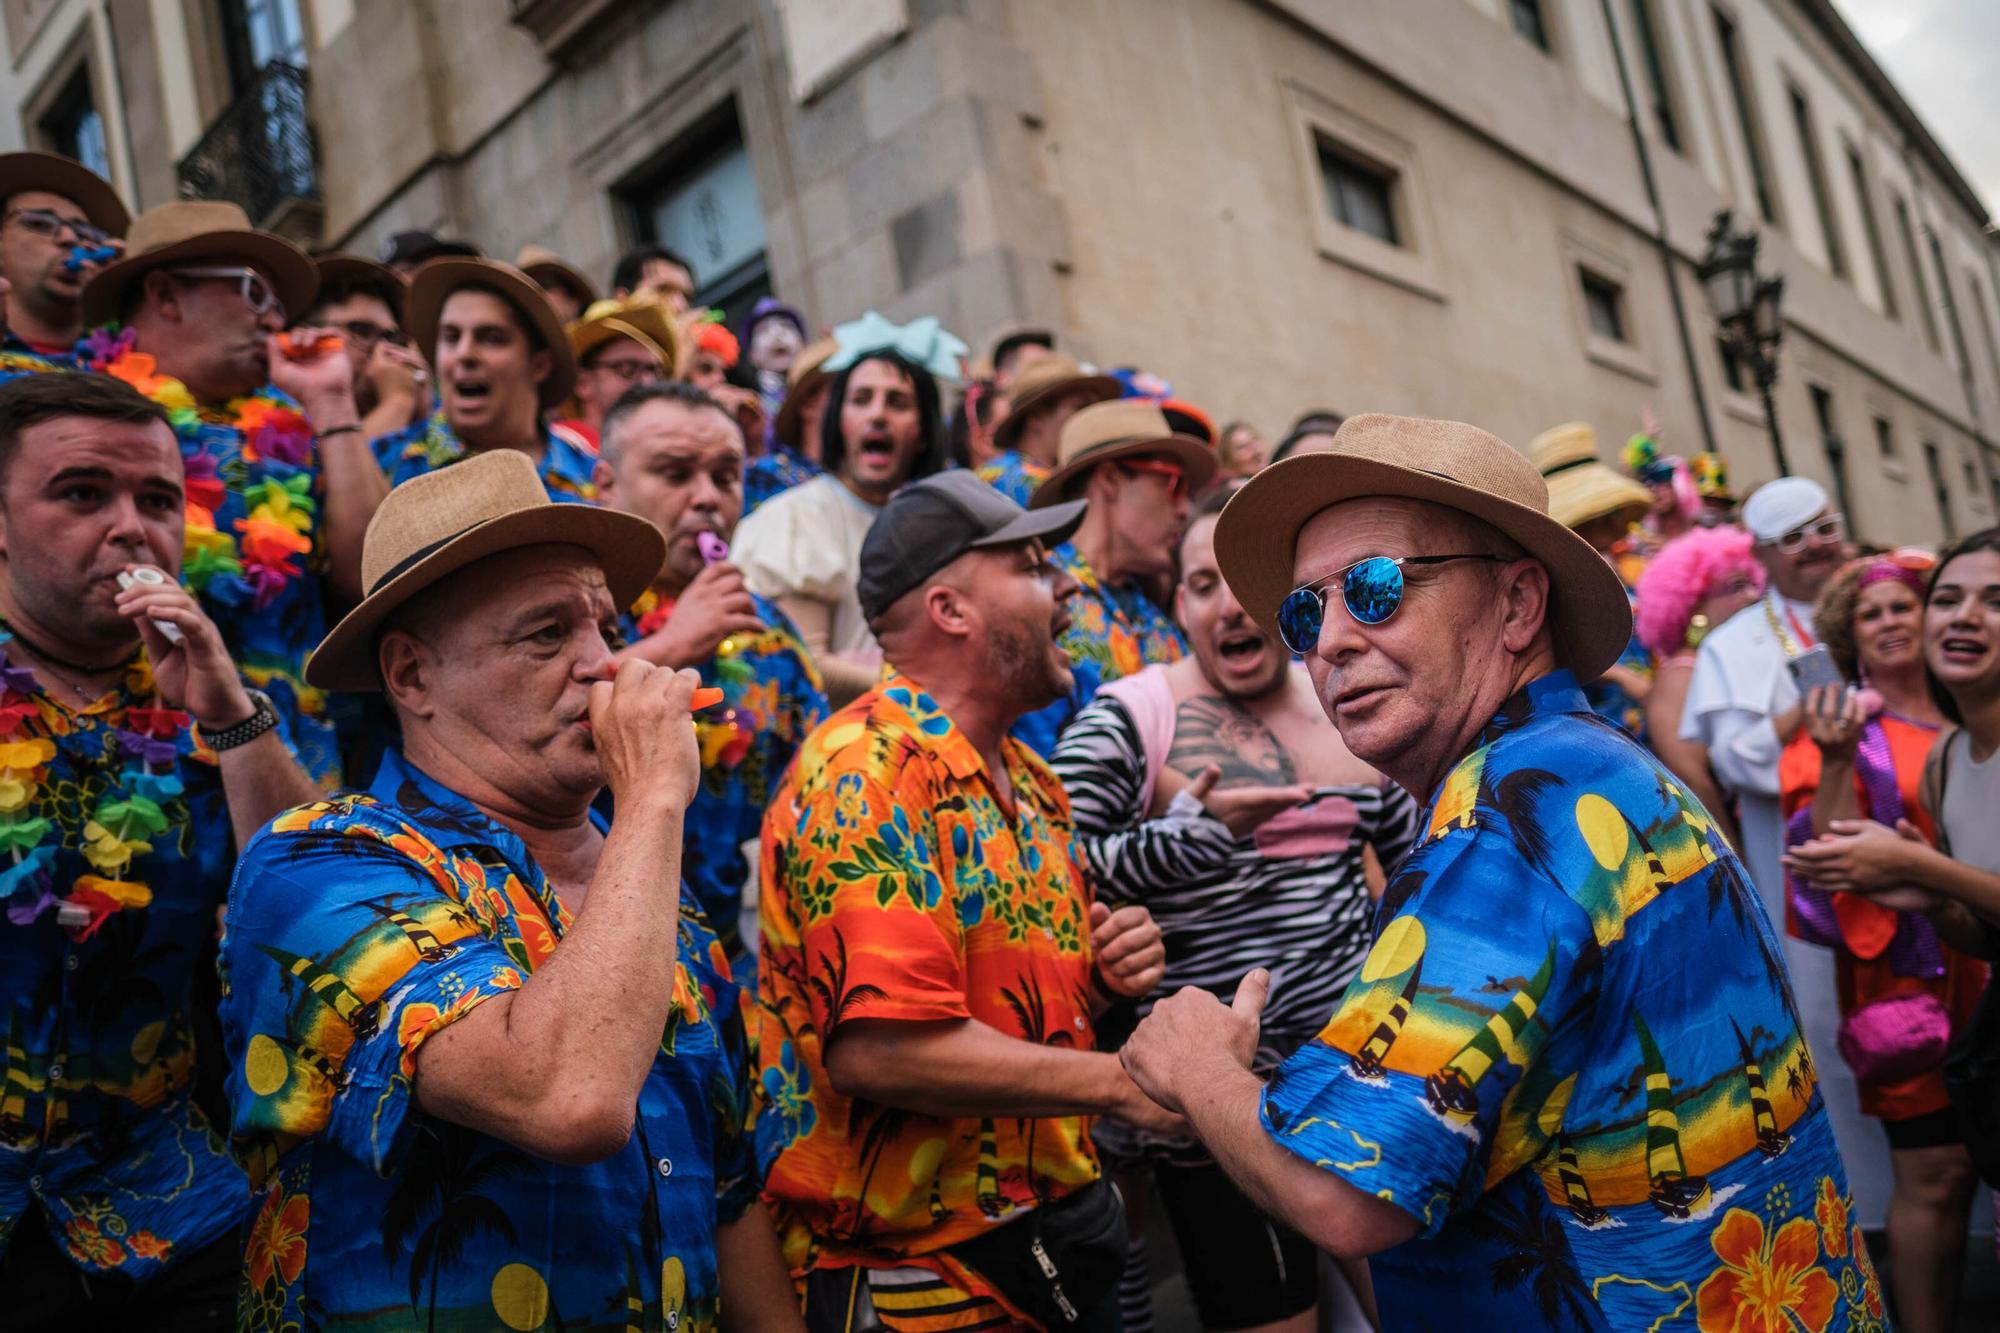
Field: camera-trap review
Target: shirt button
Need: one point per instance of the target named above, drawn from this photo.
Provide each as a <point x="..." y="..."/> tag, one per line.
<point x="55" y="1073"/>
<point x="69" y="963"/>
<point x="666" y="1166"/>
<point x="35" y="1184"/>
<point x="1079" y="1022"/>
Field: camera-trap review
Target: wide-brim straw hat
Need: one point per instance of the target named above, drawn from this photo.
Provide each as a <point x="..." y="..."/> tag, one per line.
<point x="1443" y="462"/>
<point x="1122" y="428"/>
<point x="436" y="524"/>
<point x="539" y="262"/>
<point x="189" y="231"/>
<point x="645" y="322"/>
<point x="1582" y="487"/>
<point x="807" y="373"/>
<point x="1044" y="378"/>
<point x="52" y="173"/>
<point x="432" y="285"/>
<point x="341" y="267"/>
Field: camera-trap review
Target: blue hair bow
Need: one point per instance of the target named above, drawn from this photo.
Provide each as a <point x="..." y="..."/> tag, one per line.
<point x="922" y="342"/>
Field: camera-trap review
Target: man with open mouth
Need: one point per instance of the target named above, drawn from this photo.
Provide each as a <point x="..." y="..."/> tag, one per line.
<point x="502" y="362"/>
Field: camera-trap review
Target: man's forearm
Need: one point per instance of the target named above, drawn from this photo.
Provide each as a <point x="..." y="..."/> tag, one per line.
<point x="260" y="780"/>
<point x="964" y="1068"/>
<point x="354" y="487"/>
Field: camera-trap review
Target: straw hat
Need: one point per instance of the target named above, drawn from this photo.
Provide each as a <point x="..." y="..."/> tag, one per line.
<point x="644" y="321"/>
<point x="434" y="283"/>
<point x="436" y="524"/>
<point x="189" y="231"/>
<point x="1117" y="429"/>
<point x="1581" y="486"/>
<point x="541" y="263"/>
<point x="54" y="174"/>
<point x="1443" y="462"/>
<point x="1044" y="378"/>
<point x="340" y="267"/>
<point x="807" y="373"/>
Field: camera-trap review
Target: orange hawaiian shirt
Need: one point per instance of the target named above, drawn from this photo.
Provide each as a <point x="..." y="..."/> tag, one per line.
<point x="895" y="886"/>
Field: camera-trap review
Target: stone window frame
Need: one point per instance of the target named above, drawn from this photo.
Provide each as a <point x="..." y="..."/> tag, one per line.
<point x="1632" y="357"/>
<point x="1413" y="264"/>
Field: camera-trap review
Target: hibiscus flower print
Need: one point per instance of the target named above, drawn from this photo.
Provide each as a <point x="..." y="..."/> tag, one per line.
<point x="278" y="1240"/>
<point x="1831" y="1210"/>
<point x="1767" y="1283"/>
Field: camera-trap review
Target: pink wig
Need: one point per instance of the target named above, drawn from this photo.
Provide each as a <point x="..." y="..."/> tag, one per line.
<point x="1681" y="576"/>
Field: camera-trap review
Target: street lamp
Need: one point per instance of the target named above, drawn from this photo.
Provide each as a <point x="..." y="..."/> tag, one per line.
<point x="1746" y="306"/>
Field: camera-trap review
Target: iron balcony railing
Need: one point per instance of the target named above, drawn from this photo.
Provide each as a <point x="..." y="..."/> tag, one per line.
<point x="260" y="153"/>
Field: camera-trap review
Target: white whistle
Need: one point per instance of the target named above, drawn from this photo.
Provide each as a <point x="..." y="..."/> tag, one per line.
<point x="148" y="576"/>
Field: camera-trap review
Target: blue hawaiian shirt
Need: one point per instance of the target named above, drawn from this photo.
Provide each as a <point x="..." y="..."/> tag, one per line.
<point x="19" y="357"/>
<point x="1114" y="630"/>
<point x="1572" y="1056"/>
<point x="567" y="463"/>
<point x="772" y="698"/>
<point x="774" y="472"/>
<point x="1013" y="474"/>
<point x="357" y="927"/>
<point x="112" y="817"/>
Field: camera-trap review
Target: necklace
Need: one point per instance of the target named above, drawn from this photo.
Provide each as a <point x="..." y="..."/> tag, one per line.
<point x="1785" y="640"/>
<point x="67" y="669"/>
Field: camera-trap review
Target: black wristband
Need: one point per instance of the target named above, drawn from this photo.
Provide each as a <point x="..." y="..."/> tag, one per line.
<point x="242" y="733"/>
<point x="351" y="428"/>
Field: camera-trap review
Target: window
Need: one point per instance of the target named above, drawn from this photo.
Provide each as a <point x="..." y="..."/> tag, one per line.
<point x="1529" y="22"/>
<point x="1833" y="446"/>
<point x="1746" y="113"/>
<point x="1918" y="286"/>
<point x="72" y="126"/>
<point x="1359" y="194"/>
<point x="1985" y="319"/>
<point x="705" y="206"/>
<point x="1885" y="437"/>
<point x="1950" y="306"/>
<point x="1734" y="373"/>
<point x="257" y="33"/>
<point x="1876" y="255"/>
<point x="1603" y="306"/>
<point x="1654" y="66"/>
<point x="1971" y="474"/>
<point x="1936" y="470"/>
<point x="1836" y="253"/>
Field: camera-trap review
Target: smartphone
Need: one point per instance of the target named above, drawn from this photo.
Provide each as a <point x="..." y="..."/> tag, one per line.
<point x="1814" y="668"/>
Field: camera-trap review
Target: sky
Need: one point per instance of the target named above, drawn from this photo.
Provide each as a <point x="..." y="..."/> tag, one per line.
<point x="1942" y="56"/>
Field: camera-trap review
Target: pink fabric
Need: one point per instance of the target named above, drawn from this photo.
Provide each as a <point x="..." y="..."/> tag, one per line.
<point x="1324" y="827"/>
<point x="1886" y="1041"/>
<point x="1149" y="698"/>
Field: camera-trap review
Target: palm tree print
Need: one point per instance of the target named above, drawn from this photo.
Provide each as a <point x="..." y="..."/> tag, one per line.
<point x="437" y="1200"/>
<point x="1538" y="1252"/>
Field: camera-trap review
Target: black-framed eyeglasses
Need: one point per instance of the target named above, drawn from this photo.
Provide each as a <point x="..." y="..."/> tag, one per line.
<point x="628" y="372"/>
<point x="1832" y="528"/>
<point x="1371" y="588"/>
<point x="367" y="331"/>
<point x="254" y="287"/>
<point x="46" y="222"/>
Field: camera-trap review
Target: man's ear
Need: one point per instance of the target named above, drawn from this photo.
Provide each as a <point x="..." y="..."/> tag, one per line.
<point x="160" y="292"/>
<point x="604" y="479"/>
<point x="540" y="366"/>
<point x="950" y="610"/>
<point x="1525" y="602"/>
<point x="406" y="664"/>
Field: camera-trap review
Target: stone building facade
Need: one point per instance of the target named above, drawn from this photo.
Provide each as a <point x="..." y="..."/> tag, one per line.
<point x="1432" y="206"/>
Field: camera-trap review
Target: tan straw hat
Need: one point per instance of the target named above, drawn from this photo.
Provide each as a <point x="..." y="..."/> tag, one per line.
<point x="440" y="522"/>
<point x="643" y="320"/>
<point x="1121" y="428"/>
<point x="51" y="173"/>
<point x="433" y="283"/>
<point x="1443" y="462"/>
<point x="1044" y="378"/>
<point x="541" y="263"/>
<point x="340" y="267"/>
<point x="1581" y="486"/>
<point x="190" y="231"/>
<point x="806" y="374"/>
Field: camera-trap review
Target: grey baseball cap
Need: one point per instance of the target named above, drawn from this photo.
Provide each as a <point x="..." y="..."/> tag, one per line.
<point x="930" y="523"/>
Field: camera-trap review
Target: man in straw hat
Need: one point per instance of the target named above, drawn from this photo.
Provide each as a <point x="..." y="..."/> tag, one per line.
<point x="567" y="290"/>
<point x="1138" y="475"/>
<point x="59" y="222"/>
<point x="1572" y="1050"/>
<point x="136" y="763"/>
<point x="617" y="344"/>
<point x="281" y="483"/>
<point x="791" y="450"/>
<point x="932" y="961"/>
<point x="503" y="362"/>
<point x="1601" y="506"/>
<point x="362" y="301"/>
<point x="462" y="969"/>
<point x="1046" y="393"/>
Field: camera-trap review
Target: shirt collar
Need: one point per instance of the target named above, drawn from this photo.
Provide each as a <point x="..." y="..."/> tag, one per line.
<point x="1557" y="692"/>
<point x="446" y="817"/>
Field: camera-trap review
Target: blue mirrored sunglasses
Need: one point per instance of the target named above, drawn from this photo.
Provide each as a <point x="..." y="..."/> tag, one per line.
<point x="1372" y="589"/>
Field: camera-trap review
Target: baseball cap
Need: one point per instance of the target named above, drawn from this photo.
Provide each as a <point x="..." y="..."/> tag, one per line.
<point x="930" y="523"/>
<point x="1778" y="507"/>
<point x="414" y="247"/>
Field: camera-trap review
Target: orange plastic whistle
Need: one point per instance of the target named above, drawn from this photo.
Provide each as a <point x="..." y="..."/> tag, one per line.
<point x="705" y="697"/>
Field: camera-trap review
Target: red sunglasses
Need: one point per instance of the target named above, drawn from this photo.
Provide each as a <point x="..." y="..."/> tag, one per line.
<point x="1175" y="474"/>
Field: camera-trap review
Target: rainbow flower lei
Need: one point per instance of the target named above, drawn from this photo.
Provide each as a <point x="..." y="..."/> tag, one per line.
<point x="131" y="812"/>
<point x="274" y="538"/>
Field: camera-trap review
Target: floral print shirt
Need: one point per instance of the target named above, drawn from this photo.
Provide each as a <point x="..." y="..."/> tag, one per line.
<point x="117" y="855"/>
<point x="358" y="927"/>
<point x="895" y="886"/>
<point x="1114" y="629"/>
<point x="1573" y="1058"/>
<point x="774" y="472"/>
<point x="567" y="461"/>
<point x="1013" y="474"/>
<point x="772" y="698"/>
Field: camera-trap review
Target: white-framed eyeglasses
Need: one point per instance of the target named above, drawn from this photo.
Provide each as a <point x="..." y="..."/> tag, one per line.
<point x="255" y="288"/>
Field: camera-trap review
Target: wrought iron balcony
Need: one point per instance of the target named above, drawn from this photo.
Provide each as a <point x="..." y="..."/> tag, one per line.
<point x="260" y="153"/>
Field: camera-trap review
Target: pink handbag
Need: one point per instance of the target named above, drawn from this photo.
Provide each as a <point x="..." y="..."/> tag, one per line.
<point x="1887" y="1041"/>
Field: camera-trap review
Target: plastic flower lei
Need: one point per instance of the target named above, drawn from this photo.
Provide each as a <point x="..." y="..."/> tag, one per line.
<point x="131" y="812"/>
<point x="726" y="739"/>
<point x="269" y="546"/>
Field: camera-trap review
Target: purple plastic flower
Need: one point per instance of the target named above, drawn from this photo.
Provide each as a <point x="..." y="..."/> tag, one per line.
<point x="105" y="346"/>
<point x="145" y="749"/>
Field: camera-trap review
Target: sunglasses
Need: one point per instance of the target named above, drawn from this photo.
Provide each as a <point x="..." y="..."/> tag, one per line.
<point x="1372" y="589"/>
<point x="1176" y="476"/>
<point x="1832" y="528"/>
<point x="254" y="287"/>
<point x="42" y="222"/>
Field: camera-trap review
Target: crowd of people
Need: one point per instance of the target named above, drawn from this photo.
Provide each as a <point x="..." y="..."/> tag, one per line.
<point x="532" y="809"/>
